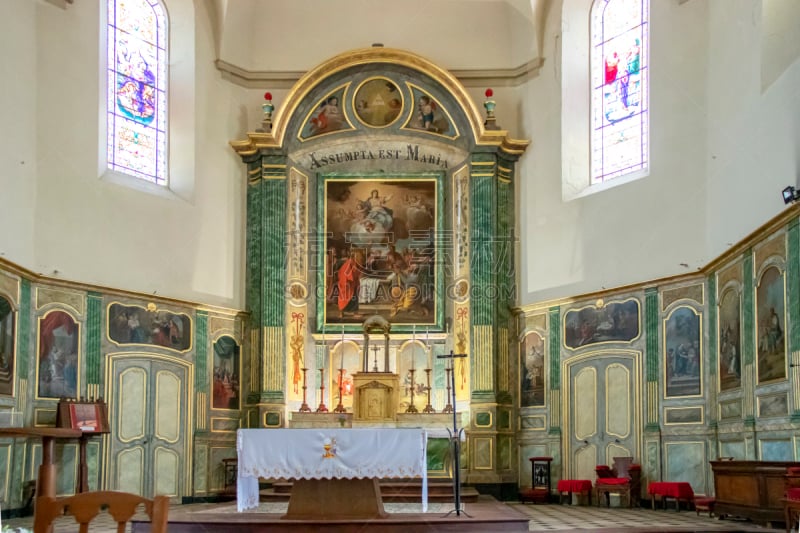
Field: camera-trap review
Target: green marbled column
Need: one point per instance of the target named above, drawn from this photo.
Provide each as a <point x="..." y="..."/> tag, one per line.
<point x="748" y="310"/>
<point x="748" y="344"/>
<point x="651" y="333"/>
<point x="712" y="325"/>
<point x="273" y="302"/>
<point x="651" y="358"/>
<point x="253" y="281"/>
<point x="94" y="331"/>
<point x="266" y="275"/>
<point x="793" y="284"/>
<point x="555" y="347"/>
<point x="506" y="279"/>
<point x="554" y="333"/>
<point x="483" y="233"/>
<point x="793" y="301"/>
<point x="201" y="352"/>
<point x="24" y="331"/>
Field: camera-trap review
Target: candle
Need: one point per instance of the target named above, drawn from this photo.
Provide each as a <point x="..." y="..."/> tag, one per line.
<point x="428" y="347"/>
<point x="413" y="344"/>
<point x="341" y="352"/>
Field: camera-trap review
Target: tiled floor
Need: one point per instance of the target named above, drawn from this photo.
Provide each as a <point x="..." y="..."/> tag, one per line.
<point x="587" y="519"/>
<point x="542" y="518"/>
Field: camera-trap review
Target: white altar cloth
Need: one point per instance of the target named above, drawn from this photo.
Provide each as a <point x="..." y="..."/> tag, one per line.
<point x="328" y="454"/>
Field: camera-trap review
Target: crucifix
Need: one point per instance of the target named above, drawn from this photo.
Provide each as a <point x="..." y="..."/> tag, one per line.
<point x="455" y="435"/>
<point x="375" y="352"/>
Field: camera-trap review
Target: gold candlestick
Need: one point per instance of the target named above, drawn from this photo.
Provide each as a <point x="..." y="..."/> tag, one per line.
<point x="340" y="407"/>
<point x="322" y="407"/>
<point x="412" y="408"/>
<point x="304" y="408"/>
<point x="428" y="408"/>
<point x="449" y="407"/>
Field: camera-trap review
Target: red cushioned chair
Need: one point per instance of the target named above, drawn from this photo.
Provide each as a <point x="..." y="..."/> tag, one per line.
<point x="791" y="501"/>
<point x="614" y="481"/>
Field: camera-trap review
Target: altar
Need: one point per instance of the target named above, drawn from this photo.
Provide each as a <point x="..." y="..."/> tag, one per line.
<point x="336" y="471"/>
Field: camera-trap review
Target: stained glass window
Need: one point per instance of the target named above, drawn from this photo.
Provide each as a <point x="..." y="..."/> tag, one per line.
<point x="619" y="104"/>
<point x="137" y="89"/>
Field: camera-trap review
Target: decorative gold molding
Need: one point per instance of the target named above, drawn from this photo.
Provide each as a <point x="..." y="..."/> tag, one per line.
<point x="275" y="140"/>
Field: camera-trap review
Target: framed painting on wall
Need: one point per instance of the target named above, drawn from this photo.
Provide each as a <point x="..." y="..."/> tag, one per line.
<point x="612" y="322"/>
<point x="380" y="251"/>
<point x="729" y="342"/>
<point x="531" y="371"/>
<point x="133" y="324"/>
<point x="771" y="321"/>
<point x="227" y="372"/>
<point x="7" y="343"/>
<point x="683" y="357"/>
<point x="57" y="365"/>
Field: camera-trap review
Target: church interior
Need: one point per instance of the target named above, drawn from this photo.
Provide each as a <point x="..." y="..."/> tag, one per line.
<point x="557" y="239"/>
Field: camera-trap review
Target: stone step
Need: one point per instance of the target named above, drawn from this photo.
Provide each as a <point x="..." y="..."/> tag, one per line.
<point x="391" y="491"/>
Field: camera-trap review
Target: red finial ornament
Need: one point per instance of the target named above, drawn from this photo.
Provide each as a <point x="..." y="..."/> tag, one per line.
<point x="267" y="95"/>
<point x="489" y="93"/>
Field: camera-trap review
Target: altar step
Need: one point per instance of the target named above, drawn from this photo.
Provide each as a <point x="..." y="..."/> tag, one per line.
<point x="391" y="491"/>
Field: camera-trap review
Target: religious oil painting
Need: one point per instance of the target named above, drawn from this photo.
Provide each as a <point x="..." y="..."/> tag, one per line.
<point x="771" y="320"/>
<point x="532" y="371"/>
<point x="612" y="322"/>
<point x="414" y="359"/>
<point x="378" y="102"/>
<point x="326" y="117"/>
<point x="227" y="372"/>
<point x="7" y="331"/>
<point x="380" y="250"/>
<point x="344" y="362"/>
<point x="730" y="363"/>
<point x="429" y="115"/>
<point x="132" y="324"/>
<point x="57" y="365"/>
<point x="683" y="357"/>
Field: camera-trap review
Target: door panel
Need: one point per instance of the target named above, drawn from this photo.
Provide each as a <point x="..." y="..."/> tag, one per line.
<point x="603" y="413"/>
<point x="147" y="445"/>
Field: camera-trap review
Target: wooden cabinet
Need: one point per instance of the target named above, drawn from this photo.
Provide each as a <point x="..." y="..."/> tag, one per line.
<point x="750" y="489"/>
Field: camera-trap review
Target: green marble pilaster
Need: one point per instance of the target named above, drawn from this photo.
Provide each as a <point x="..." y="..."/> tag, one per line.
<point x="748" y="310"/>
<point x="266" y="275"/>
<point x="651" y="333"/>
<point x="712" y="325"/>
<point x="555" y="348"/>
<point x="506" y="280"/>
<point x="24" y="353"/>
<point x="483" y="303"/>
<point x="94" y="328"/>
<point x="554" y="333"/>
<point x="201" y="352"/>
<point x="253" y="280"/>
<point x="793" y="284"/>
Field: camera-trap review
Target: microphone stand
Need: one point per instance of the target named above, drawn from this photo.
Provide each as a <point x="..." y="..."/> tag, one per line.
<point x="455" y="437"/>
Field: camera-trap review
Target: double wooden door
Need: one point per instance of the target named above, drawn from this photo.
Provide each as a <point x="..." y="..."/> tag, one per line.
<point x="602" y="410"/>
<point x="148" y="445"/>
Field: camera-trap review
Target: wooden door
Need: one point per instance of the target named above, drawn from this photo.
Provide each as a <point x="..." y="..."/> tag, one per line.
<point x="148" y="444"/>
<point x="602" y="410"/>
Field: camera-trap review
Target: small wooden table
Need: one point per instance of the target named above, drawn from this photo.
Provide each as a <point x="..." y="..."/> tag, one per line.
<point x="680" y="490"/>
<point x="46" y="481"/>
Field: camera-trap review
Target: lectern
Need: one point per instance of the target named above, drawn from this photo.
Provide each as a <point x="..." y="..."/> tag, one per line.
<point x="540" y="481"/>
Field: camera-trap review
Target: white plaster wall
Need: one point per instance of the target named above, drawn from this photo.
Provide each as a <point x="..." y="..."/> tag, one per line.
<point x="291" y="35"/>
<point x="646" y="229"/>
<point x="753" y="136"/>
<point x="18" y="154"/>
<point x="99" y="230"/>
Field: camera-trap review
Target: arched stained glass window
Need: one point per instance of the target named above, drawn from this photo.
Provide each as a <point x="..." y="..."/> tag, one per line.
<point x="619" y="104"/>
<point x="137" y="89"/>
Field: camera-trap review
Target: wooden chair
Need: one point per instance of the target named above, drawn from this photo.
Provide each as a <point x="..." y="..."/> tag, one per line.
<point x="121" y="506"/>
